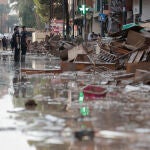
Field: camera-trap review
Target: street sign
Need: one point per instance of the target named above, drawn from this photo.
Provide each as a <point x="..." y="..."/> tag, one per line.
<point x="102" y="17"/>
<point x="83" y="9"/>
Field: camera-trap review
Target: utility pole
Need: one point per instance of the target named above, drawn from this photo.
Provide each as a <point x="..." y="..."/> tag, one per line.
<point x="83" y="9"/>
<point x="64" y="18"/>
<point x="50" y="14"/>
<point x="101" y="21"/>
<point x="73" y="19"/>
<point x="85" y="21"/>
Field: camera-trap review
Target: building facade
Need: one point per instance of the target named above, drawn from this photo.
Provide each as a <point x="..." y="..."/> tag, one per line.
<point x="3" y="16"/>
<point x="117" y="12"/>
<point x="141" y="10"/>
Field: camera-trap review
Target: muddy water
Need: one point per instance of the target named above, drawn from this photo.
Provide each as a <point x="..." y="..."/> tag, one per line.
<point x="120" y="121"/>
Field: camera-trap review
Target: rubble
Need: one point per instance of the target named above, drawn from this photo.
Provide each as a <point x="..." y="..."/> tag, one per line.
<point x="130" y="46"/>
<point x="134" y="48"/>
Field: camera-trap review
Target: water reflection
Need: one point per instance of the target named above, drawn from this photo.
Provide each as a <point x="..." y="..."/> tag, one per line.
<point x="118" y="121"/>
<point x="16" y="140"/>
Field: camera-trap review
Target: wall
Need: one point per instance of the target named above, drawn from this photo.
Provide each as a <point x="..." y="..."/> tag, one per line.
<point x="96" y="26"/>
<point x="145" y="10"/>
<point x="136" y="7"/>
<point x="4" y="17"/>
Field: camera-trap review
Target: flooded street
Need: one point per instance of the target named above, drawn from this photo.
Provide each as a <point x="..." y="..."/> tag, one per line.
<point x="45" y="111"/>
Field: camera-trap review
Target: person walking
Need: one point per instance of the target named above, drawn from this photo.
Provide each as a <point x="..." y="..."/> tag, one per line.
<point x="24" y="43"/>
<point x="16" y="43"/>
<point x="4" y="43"/>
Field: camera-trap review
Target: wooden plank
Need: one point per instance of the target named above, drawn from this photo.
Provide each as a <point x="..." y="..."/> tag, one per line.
<point x="124" y="76"/>
<point x="146" y="54"/>
<point x="82" y="57"/>
<point x="135" y="39"/>
<point x="132" y="57"/>
<point x="131" y="67"/>
<point x="72" y="53"/>
<point x="33" y="71"/>
<point x="68" y="66"/>
<point x="119" y="51"/>
<point x="139" y="56"/>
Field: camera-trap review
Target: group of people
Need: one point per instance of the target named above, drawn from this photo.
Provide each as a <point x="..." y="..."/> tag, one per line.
<point x="19" y="43"/>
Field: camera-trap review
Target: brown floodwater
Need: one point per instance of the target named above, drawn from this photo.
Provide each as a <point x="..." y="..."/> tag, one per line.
<point x="42" y="111"/>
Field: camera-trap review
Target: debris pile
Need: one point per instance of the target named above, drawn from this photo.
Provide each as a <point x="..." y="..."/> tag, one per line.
<point x="123" y="50"/>
<point x="54" y="46"/>
<point x="135" y="48"/>
<point x="37" y="47"/>
<point x="131" y="45"/>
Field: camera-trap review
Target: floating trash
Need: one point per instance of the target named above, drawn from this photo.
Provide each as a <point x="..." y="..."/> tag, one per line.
<point x="81" y="97"/>
<point x="84" y="135"/>
<point x="92" y="92"/>
<point x="84" y="111"/>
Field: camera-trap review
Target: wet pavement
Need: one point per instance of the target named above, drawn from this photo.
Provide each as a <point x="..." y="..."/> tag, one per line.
<point x="59" y="120"/>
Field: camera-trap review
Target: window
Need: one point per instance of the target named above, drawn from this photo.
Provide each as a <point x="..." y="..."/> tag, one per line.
<point x="105" y="5"/>
<point x="98" y="5"/>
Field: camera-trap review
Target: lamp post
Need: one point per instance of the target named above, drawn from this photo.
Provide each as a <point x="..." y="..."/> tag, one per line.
<point x="83" y="9"/>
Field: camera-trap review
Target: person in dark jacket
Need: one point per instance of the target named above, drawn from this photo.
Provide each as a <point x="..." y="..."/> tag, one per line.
<point x="16" y="43"/>
<point x="24" y="43"/>
<point x="4" y="43"/>
<point x="12" y="44"/>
